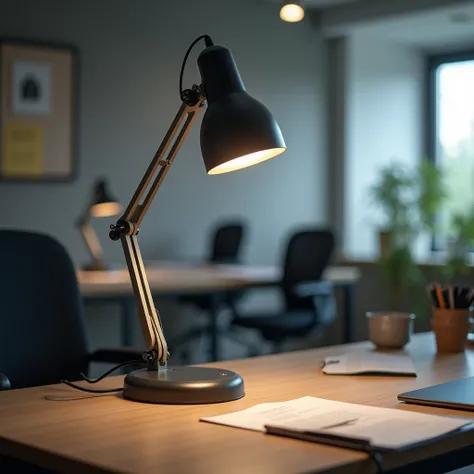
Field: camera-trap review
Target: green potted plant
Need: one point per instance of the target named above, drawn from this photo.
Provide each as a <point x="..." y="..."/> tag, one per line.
<point x="393" y="183"/>
<point x="458" y="244"/>
<point x="409" y="199"/>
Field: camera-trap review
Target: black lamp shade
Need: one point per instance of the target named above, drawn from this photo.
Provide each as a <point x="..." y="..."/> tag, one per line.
<point x="103" y="203"/>
<point x="237" y="130"/>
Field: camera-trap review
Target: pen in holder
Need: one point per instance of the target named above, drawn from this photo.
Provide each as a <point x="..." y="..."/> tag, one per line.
<point x="452" y="317"/>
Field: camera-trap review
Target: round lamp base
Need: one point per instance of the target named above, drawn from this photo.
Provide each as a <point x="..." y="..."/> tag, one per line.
<point x="183" y="385"/>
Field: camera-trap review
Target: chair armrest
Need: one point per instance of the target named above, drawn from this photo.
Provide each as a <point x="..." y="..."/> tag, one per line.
<point x="4" y="382"/>
<point x="116" y="355"/>
<point x="322" y="295"/>
<point x="313" y="288"/>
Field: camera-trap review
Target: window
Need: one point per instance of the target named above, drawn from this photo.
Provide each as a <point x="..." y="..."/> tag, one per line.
<point x="451" y="132"/>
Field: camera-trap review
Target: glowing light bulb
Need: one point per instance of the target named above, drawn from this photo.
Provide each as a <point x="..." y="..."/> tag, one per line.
<point x="292" y="11"/>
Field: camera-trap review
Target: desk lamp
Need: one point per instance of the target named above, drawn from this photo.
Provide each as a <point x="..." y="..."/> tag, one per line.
<point x="101" y="204"/>
<point x="237" y="131"/>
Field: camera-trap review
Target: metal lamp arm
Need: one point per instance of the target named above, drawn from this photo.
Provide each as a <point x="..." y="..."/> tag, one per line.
<point x="127" y="227"/>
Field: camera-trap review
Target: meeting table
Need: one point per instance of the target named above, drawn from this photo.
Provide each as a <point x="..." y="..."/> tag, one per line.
<point x="175" y="279"/>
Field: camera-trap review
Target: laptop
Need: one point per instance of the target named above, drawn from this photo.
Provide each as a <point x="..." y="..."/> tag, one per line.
<point x="458" y="395"/>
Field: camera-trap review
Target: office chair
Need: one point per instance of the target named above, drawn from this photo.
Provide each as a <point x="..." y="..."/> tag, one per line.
<point x="309" y="302"/>
<point x="42" y="330"/>
<point x="226" y="244"/>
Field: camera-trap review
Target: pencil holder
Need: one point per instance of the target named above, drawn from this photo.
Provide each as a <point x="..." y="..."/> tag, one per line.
<point x="451" y="327"/>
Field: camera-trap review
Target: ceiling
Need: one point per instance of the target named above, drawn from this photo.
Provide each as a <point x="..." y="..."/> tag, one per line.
<point x="315" y="4"/>
<point x="325" y="3"/>
<point x="435" y="29"/>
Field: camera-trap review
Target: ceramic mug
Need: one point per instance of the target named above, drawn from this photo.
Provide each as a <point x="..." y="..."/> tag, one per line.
<point x="390" y="330"/>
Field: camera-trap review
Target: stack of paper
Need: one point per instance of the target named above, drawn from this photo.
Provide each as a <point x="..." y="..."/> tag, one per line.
<point x="337" y="422"/>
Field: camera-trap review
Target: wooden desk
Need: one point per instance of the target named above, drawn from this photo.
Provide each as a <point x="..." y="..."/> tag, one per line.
<point x="178" y="279"/>
<point x="61" y="429"/>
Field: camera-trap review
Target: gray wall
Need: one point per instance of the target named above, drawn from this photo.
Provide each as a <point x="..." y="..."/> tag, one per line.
<point x="378" y="91"/>
<point x="376" y="115"/>
<point x="131" y="52"/>
<point x="384" y="123"/>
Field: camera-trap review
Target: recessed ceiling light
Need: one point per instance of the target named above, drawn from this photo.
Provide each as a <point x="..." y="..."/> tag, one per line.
<point x="292" y="11"/>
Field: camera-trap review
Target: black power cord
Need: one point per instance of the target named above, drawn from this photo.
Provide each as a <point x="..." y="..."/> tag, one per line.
<point x="101" y="377"/>
<point x="208" y="41"/>
<point x="88" y="390"/>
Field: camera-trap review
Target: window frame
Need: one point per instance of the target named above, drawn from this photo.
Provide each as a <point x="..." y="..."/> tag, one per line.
<point x="433" y="62"/>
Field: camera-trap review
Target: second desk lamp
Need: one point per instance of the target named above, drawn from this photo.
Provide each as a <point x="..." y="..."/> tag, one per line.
<point x="101" y="204"/>
<point x="237" y="131"/>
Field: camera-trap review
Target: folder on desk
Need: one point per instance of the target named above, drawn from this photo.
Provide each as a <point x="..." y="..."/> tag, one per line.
<point x="369" y="362"/>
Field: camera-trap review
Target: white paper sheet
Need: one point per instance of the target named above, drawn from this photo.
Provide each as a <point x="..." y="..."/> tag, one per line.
<point x="384" y="427"/>
<point x="365" y="362"/>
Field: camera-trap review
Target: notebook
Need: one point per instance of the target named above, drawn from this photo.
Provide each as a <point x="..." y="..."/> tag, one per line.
<point x="369" y="362"/>
<point x="342" y="424"/>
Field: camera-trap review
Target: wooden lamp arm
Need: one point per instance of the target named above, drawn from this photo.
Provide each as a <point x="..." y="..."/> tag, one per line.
<point x="127" y="227"/>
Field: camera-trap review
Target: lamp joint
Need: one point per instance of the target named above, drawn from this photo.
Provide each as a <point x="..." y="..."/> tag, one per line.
<point x="81" y="221"/>
<point x="122" y="227"/>
<point x="150" y="357"/>
<point x="192" y="96"/>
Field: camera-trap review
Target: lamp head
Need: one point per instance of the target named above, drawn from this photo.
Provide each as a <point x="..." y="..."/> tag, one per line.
<point x="103" y="203"/>
<point x="292" y="11"/>
<point x="237" y="130"/>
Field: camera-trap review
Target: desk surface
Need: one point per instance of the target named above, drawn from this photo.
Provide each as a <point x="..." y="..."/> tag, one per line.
<point x="179" y="278"/>
<point x="59" y="428"/>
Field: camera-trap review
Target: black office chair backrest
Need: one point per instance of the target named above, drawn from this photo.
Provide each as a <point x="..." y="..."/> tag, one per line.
<point x="42" y="333"/>
<point x="226" y="243"/>
<point x="307" y="255"/>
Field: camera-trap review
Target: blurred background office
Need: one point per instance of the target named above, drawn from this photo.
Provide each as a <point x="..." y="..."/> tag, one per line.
<point x="349" y="86"/>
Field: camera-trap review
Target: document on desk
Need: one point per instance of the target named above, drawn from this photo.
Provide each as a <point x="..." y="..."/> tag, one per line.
<point x="339" y="423"/>
<point x="369" y="362"/>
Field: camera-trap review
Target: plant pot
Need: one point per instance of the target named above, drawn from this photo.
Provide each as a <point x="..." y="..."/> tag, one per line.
<point x="451" y="327"/>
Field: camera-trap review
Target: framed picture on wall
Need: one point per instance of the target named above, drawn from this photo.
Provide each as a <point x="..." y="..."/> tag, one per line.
<point x="38" y="111"/>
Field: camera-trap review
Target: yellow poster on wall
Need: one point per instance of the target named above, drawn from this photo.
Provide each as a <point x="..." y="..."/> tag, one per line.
<point x="23" y="149"/>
